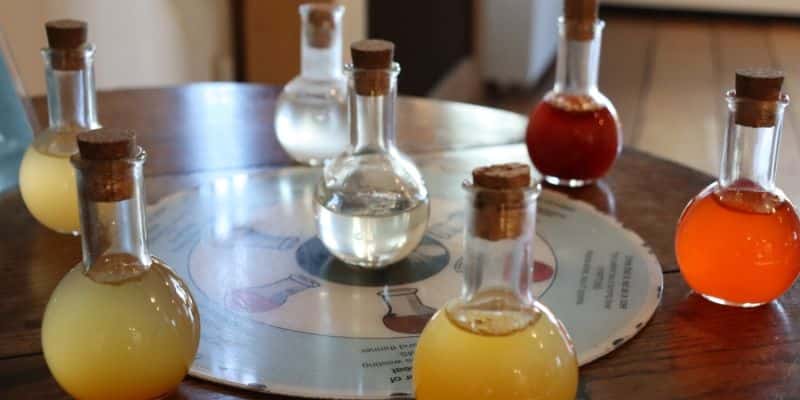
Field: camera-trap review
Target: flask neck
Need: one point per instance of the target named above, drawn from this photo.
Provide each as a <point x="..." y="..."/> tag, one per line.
<point x="577" y="63"/>
<point x="321" y="45"/>
<point x="372" y="114"/>
<point x="71" y="99"/>
<point x="499" y="239"/>
<point x="113" y="230"/>
<point x="750" y="154"/>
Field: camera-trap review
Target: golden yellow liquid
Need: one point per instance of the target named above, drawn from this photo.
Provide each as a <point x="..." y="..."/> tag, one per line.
<point x="47" y="184"/>
<point x="132" y="340"/>
<point x="533" y="362"/>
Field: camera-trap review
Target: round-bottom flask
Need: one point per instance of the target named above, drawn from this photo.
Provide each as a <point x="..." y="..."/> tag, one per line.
<point x="499" y="341"/>
<point x="311" y="120"/>
<point x="573" y="140"/>
<point x="134" y="339"/>
<point x="739" y="247"/>
<point x="574" y="135"/>
<point x="46" y="178"/>
<point x="120" y="324"/>
<point x="738" y="241"/>
<point x="372" y="205"/>
<point x="311" y="112"/>
<point x="47" y="182"/>
<point x="534" y="360"/>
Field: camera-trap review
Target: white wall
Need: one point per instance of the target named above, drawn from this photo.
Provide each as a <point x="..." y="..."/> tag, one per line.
<point x="139" y="42"/>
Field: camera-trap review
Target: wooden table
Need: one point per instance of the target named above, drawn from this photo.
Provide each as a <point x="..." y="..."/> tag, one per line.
<point x="690" y="349"/>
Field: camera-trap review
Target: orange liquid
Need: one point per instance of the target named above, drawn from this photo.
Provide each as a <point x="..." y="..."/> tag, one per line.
<point x="571" y="137"/>
<point x="739" y="246"/>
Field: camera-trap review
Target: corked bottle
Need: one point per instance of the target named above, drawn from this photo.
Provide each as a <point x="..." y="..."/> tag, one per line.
<point x="120" y="321"/>
<point x="574" y="134"/>
<point x="46" y="178"/>
<point x="311" y="113"/>
<point x="497" y="316"/>
<point x="372" y="204"/>
<point x="738" y="241"/>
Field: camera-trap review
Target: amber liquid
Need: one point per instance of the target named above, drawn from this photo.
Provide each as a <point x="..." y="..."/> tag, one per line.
<point x="738" y="247"/>
<point x="572" y="138"/>
<point x="134" y="339"/>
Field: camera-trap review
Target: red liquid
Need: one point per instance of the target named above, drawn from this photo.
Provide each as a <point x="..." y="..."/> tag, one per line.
<point x="739" y="246"/>
<point x="412" y="324"/>
<point x="572" y="138"/>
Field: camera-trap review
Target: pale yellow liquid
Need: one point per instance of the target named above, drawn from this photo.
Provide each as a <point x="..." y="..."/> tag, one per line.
<point x="533" y="362"/>
<point x="47" y="184"/>
<point x="131" y="340"/>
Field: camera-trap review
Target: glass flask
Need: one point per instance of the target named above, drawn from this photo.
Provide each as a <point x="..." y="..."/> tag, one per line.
<point x="503" y="343"/>
<point x="738" y="241"/>
<point x="371" y="204"/>
<point x="407" y="313"/>
<point x="46" y="178"/>
<point x="311" y="114"/>
<point x="121" y="324"/>
<point x="268" y="297"/>
<point x="574" y="134"/>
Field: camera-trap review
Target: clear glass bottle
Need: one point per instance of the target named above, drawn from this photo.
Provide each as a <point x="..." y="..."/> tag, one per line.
<point x="46" y="178"/>
<point x="120" y="324"/>
<point x="311" y="114"/>
<point x="738" y="241"/>
<point x="574" y="134"/>
<point x="500" y="342"/>
<point x="372" y="204"/>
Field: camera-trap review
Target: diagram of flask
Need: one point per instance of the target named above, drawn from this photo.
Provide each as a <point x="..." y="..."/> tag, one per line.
<point x="407" y="313"/>
<point x="259" y="299"/>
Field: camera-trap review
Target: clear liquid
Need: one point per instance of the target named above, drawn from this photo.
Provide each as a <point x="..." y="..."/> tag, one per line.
<point x="134" y="339"/>
<point x="371" y="229"/>
<point x="517" y="355"/>
<point x="48" y="188"/>
<point x="311" y="120"/>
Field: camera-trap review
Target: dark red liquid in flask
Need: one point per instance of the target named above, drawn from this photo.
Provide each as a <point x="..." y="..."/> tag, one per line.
<point x="572" y="138"/>
<point x="574" y="134"/>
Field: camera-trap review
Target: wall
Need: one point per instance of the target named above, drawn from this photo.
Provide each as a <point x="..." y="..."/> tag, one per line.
<point x="139" y="43"/>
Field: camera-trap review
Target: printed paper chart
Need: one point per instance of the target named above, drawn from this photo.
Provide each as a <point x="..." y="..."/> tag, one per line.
<point x="280" y="315"/>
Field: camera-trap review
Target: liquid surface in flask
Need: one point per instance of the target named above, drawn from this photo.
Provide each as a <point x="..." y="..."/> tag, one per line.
<point x="516" y="355"/>
<point x="739" y="246"/>
<point x="134" y="339"/>
<point x="47" y="182"/>
<point x="371" y="228"/>
<point x="573" y="138"/>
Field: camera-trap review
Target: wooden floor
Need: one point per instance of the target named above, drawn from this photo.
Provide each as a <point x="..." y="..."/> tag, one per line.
<point x="666" y="73"/>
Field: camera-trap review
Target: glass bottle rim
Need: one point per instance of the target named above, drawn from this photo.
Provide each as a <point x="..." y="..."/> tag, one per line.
<point x="530" y="192"/>
<point x="138" y="160"/>
<point x="599" y="24"/>
<point x="394" y="69"/>
<point x="732" y="100"/>
<point x="86" y="51"/>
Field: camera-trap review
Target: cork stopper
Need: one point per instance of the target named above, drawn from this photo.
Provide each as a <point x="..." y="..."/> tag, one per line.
<point x="104" y="157"/>
<point x="321" y="25"/>
<point x="66" y="37"/>
<point x="758" y="90"/>
<point x="501" y="208"/>
<point x="580" y="17"/>
<point x="66" y="34"/>
<point x="372" y="59"/>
